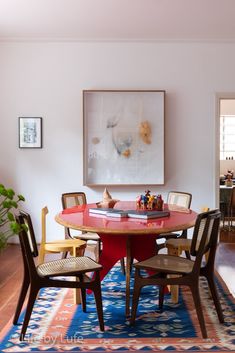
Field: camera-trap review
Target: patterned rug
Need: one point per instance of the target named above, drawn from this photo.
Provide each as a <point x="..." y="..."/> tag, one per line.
<point x="57" y="325"/>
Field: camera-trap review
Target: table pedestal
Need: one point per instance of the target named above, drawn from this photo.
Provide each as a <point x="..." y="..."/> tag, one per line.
<point x="131" y="246"/>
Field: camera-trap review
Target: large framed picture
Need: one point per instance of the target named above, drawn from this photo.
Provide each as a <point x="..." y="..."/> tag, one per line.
<point x="30" y="132"/>
<point x="123" y="137"/>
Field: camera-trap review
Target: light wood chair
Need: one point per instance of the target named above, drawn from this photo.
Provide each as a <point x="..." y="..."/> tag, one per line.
<point x="53" y="274"/>
<point x="71" y="199"/>
<point x="75" y="247"/>
<point x="186" y="272"/>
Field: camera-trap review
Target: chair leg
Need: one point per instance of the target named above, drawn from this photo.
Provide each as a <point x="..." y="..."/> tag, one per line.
<point x="23" y="292"/>
<point x="135" y="298"/>
<point x="214" y="294"/>
<point x="98" y="301"/>
<point x="161" y="297"/>
<point x="32" y="297"/>
<point x="123" y="266"/>
<point x="197" y="302"/>
<point x="83" y="295"/>
<point x="64" y="255"/>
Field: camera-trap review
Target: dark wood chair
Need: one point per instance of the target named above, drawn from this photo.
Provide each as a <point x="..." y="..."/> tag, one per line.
<point x="44" y="275"/>
<point x="178" y="199"/>
<point x="71" y="199"/>
<point x="174" y="270"/>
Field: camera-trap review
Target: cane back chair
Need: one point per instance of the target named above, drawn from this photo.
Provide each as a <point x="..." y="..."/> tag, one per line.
<point x="71" y="199"/>
<point x="181" y="200"/>
<point x="174" y="270"/>
<point x="45" y="275"/>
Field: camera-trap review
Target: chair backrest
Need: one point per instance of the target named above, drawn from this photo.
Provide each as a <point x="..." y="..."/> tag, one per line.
<point x="205" y="236"/>
<point x="27" y="242"/>
<point x="71" y="199"/>
<point x="179" y="198"/>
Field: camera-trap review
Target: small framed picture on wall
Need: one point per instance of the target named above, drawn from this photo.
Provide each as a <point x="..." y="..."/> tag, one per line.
<point x="30" y="132"/>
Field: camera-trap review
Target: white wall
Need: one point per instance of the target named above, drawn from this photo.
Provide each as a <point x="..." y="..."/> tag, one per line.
<point x="47" y="79"/>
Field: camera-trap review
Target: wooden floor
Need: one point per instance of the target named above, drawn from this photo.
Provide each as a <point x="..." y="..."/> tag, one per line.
<point x="12" y="271"/>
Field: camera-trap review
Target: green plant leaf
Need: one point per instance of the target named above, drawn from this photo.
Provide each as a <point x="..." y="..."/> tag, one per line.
<point x="10" y="194"/>
<point x="21" y="198"/>
<point x="11" y="217"/>
<point x="15" y="227"/>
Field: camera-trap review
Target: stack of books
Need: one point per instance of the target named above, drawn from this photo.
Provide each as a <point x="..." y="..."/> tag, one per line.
<point x="112" y="212"/>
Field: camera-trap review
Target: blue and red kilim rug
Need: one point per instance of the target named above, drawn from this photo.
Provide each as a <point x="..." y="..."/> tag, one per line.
<point x="57" y="325"/>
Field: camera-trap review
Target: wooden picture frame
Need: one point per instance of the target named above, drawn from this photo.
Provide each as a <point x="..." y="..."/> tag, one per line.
<point x="123" y="137"/>
<point x="30" y="132"/>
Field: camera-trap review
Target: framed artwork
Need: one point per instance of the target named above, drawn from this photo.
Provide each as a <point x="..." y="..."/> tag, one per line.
<point x="30" y="132"/>
<point x="123" y="137"/>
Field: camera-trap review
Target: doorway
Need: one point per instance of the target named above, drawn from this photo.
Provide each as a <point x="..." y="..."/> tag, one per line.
<point x="226" y="150"/>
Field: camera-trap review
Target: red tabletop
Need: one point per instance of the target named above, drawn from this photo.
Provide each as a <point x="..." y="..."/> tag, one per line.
<point x="79" y="218"/>
<point x="124" y="237"/>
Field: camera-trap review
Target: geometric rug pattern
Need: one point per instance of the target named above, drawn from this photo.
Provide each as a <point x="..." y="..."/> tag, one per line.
<point x="58" y="325"/>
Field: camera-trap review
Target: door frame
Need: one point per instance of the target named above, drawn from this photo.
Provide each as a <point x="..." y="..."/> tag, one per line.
<point x="219" y="97"/>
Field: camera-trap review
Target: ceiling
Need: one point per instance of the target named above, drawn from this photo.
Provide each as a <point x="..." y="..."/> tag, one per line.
<point x="114" y="20"/>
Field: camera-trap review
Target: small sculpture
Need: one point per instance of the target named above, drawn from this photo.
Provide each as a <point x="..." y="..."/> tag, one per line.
<point x="108" y="201"/>
<point x="149" y="202"/>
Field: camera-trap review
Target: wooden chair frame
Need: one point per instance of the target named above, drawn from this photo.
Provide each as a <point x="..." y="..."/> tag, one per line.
<point x="207" y="226"/>
<point x="45" y="275"/>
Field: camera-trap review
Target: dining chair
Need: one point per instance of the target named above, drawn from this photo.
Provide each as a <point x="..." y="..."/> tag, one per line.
<point x="75" y="247"/>
<point x="71" y="199"/>
<point x="176" y="246"/>
<point x="183" y="201"/>
<point x="45" y="275"/>
<point x="174" y="270"/>
<point x="231" y="209"/>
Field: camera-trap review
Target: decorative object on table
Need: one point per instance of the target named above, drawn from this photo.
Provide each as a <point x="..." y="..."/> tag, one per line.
<point x="149" y="202"/>
<point x="108" y="201"/>
<point x="123" y="137"/>
<point x="30" y="132"/>
<point x="8" y="226"/>
<point x="58" y="325"/>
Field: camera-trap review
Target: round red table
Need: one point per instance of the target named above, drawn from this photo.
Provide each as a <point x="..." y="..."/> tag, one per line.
<point x="124" y="237"/>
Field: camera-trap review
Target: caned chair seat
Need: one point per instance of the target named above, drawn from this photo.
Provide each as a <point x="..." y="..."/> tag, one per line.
<point x="69" y="266"/>
<point x="166" y="263"/>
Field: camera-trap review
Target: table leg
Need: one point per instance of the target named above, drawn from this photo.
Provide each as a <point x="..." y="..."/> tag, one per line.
<point x="128" y="275"/>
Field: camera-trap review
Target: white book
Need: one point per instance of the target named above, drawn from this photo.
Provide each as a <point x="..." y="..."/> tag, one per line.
<point x="103" y="211"/>
<point x="117" y="214"/>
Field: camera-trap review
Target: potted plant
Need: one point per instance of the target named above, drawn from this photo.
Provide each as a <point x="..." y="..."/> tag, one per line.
<point x="8" y="203"/>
